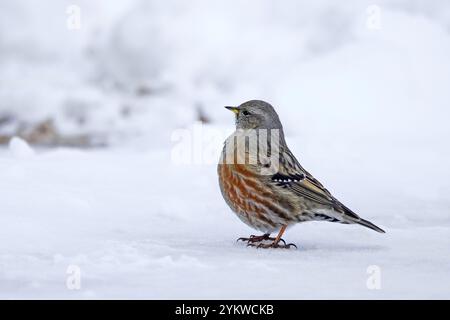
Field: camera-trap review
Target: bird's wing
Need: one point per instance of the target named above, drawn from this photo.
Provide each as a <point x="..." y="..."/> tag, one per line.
<point x="293" y="177"/>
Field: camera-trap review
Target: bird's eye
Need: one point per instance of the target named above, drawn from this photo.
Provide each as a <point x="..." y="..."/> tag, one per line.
<point x="245" y="113"/>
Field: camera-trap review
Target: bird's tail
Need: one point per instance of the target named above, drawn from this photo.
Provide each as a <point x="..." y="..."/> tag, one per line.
<point x="369" y="225"/>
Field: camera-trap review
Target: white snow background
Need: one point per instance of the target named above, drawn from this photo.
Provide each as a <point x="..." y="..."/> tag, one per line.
<point x="366" y="110"/>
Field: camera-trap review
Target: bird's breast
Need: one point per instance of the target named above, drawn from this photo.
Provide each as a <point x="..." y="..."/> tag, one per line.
<point x="250" y="198"/>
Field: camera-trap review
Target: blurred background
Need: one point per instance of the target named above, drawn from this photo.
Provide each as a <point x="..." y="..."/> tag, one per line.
<point x="102" y="73"/>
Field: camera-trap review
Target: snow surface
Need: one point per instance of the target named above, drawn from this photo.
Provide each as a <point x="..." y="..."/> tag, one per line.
<point x="139" y="226"/>
<point x="366" y="111"/>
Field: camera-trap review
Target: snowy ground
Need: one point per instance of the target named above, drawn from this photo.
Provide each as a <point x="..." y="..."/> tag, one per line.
<point x="365" y="108"/>
<point x="139" y="226"/>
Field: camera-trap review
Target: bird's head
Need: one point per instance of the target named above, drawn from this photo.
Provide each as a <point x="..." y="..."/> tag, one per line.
<point x="256" y="114"/>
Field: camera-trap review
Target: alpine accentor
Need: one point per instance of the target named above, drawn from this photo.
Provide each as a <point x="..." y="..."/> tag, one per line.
<point x="265" y="185"/>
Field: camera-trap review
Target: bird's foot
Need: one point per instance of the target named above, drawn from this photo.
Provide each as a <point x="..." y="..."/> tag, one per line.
<point x="257" y="239"/>
<point x="273" y="245"/>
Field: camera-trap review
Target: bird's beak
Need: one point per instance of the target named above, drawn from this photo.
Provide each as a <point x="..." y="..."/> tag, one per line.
<point x="234" y="109"/>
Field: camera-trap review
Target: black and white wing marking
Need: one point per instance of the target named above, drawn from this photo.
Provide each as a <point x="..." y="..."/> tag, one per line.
<point x="285" y="181"/>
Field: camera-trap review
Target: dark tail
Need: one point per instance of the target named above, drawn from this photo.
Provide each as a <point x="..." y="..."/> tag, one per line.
<point x="369" y="225"/>
<point x="353" y="217"/>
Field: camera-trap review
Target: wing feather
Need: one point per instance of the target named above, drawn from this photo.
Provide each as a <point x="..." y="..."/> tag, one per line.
<point x="302" y="183"/>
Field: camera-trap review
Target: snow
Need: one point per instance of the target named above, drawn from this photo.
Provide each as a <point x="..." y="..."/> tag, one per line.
<point x="139" y="226"/>
<point x="19" y="148"/>
<point x="365" y="110"/>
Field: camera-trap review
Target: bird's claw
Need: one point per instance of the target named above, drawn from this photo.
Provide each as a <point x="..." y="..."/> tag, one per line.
<point x="272" y="245"/>
<point x="253" y="239"/>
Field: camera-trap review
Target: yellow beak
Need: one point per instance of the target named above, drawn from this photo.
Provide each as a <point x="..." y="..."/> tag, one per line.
<point x="234" y="109"/>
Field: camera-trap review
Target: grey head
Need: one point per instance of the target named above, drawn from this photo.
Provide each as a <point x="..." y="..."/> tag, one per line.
<point x="256" y="114"/>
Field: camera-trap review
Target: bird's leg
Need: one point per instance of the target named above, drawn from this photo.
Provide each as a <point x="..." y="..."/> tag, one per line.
<point x="276" y="242"/>
<point x="252" y="239"/>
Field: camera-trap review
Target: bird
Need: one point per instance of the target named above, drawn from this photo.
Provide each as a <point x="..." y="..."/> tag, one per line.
<point x="271" y="198"/>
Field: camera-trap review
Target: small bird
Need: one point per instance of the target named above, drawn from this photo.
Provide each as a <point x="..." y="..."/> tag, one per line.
<point x="272" y="200"/>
